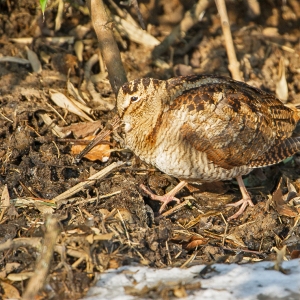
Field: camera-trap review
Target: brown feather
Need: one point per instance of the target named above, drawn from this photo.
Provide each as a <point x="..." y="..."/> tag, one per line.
<point x="206" y="127"/>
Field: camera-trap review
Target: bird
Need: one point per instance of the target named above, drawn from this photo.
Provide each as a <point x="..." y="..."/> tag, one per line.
<point x="205" y="128"/>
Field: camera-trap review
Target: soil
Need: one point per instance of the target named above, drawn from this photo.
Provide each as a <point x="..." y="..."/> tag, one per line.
<point x="36" y="165"/>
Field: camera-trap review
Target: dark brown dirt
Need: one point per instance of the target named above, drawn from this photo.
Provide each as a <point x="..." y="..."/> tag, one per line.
<point x="36" y="165"/>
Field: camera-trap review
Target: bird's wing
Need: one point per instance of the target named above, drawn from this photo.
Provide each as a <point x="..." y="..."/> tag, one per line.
<point x="232" y="123"/>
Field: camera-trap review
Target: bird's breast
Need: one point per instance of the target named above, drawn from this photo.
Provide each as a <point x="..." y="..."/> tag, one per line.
<point x="172" y="155"/>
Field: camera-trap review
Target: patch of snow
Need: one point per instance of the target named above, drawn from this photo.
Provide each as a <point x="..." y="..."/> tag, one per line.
<point x="223" y="281"/>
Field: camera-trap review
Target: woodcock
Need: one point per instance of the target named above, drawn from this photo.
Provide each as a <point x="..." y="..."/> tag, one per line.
<point x="205" y="128"/>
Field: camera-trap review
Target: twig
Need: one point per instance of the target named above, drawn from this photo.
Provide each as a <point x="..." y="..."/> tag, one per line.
<point x="90" y="181"/>
<point x="115" y="123"/>
<point x="37" y="281"/>
<point x="138" y="12"/>
<point x="7" y="119"/>
<point x="21" y="242"/>
<point x="191" y="17"/>
<point x="95" y="198"/>
<point x="176" y="208"/>
<point x="107" y="44"/>
<point x="190" y="259"/>
<point x="234" y="65"/>
<point x="225" y="231"/>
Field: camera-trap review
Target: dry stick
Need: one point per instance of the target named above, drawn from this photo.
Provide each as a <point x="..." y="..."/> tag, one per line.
<point x="21" y="242"/>
<point x="111" y="56"/>
<point x="138" y="12"/>
<point x="107" y="44"/>
<point x="114" y="124"/>
<point x="190" y="18"/>
<point x="234" y="65"/>
<point x="89" y="182"/>
<point x="37" y="281"/>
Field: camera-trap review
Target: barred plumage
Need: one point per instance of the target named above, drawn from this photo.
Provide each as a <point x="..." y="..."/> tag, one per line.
<point x="206" y="128"/>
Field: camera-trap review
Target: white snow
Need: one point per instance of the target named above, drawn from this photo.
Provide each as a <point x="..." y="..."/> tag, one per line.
<point x="223" y="281"/>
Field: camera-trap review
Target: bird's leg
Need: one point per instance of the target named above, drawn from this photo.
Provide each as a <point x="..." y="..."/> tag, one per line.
<point x="168" y="197"/>
<point x="244" y="202"/>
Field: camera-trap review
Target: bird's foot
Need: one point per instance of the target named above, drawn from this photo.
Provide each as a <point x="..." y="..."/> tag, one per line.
<point x="168" y="197"/>
<point x="243" y="203"/>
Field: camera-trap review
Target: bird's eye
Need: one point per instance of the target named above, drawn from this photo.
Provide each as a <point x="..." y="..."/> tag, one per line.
<point x="134" y="99"/>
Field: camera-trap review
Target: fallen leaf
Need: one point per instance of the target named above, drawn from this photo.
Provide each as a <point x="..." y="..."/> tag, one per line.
<point x="74" y="92"/>
<point x="114" y="264"/>
<point x="180" y="292"/>
<point x="54" y="128"/>
<point x="100" y="152"/>
<point x="82" y="129"/>
<point x="5" y="200"/>
<point x="125" y="215"/>
<point x="20" y="276"/>
<point x="63" y="62"/>
<point x="280" y="206"/>
<point x="281" y="85"/>
<point x="34" y="61"/>
<point x="9" y="291"/>
<point x="236" y="239"/>
<point x="295" y="254"/>
<point x="64" y="102"/>
<point x="195" y="242"/>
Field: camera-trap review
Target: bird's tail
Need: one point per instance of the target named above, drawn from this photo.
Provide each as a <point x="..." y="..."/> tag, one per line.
<point x="277" y="153"/>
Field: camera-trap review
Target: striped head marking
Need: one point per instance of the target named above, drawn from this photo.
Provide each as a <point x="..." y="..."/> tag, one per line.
<point x="140" y="100"/>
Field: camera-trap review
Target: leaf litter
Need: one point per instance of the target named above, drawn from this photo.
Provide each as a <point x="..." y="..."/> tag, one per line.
<point x="105" y="219"/>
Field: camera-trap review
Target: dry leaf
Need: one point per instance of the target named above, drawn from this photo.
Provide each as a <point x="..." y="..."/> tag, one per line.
<point x="5" y="197"/>
<point x="292" y="191"/>
<point x="295" y="254"/>
<point x="270" y="31"/>
<point x="19" y="276"/>
<point x="34" y="61"/>
<point x="10" y="267"/>
<point x="281" y="207"/>
<point x="99" y="152"/>
<point x="63" y="63"/>
<point x="125" y="215"/>
<point x="135" y="33"/>
<point x="83" y="129"/>
<point x="114" y="264"/>
<point x="99" y="237"/>
<point x="45" y="57"/>
<point x="9" y="291"/>
<point x="183" y="70"/>
<point x="180" y="292"/>
<point x="17" y="60"/>
<point x="104" y="236"/>
<point x="78" y="47"/>
<point x="43" y="207"/>
<point x="62" y="101"/>
<point x="74" y="92"/>
<point x="236" y="239"/>
<point x="59" y="16"/>
<point x="58" y="131"/>
<point x="181" y="236"/>
<point x="281" y="85"/>
<point x="195" y="242"/>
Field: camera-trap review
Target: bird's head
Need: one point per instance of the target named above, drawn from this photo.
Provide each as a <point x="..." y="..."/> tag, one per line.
<point x="141" y="101"/>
